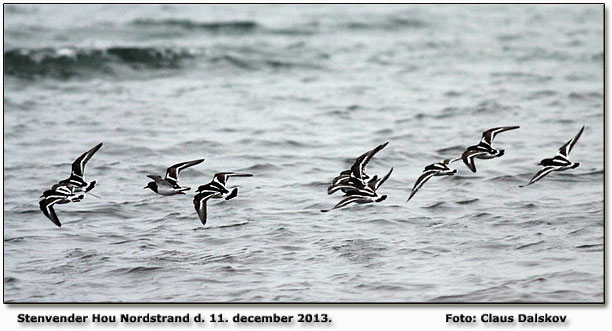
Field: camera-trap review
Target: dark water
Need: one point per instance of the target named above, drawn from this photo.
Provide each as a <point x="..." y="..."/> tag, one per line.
<point x="293" y="94"/>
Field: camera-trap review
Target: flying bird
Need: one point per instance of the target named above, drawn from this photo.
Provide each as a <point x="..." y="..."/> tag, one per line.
<point x="434" y="169"/>
<point x="352" y="186"/>
<point x="71" y="189"/>
<point x="364" y="196"/>
<point x="218" y="184"/>
<point x="215" y="189"/>
<point x="356" y="179"/>
<point x="559" y="162"/>
<point x="169" y="185"/>
<point x="484" y="149"/>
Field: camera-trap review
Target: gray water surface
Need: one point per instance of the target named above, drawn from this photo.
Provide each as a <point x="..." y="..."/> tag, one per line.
<point x="293" y="94"/>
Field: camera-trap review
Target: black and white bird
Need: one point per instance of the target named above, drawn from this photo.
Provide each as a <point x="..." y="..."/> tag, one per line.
<point x="215" y="189"/>
<point x="169" y="185"/>
<point x="59" y="194"/>
<point x="218" y="184"/>
<point x="559" y="162"/>
<point x="353" y="186"/>
<point x="71" y="189"/>
<point x="434" y="169"/>
<point x="361" y="196"/>
<point x="356" y="180"/>
<point x="78" y="170"/>
<point x="484" y="149"/>
<point x="349" y="185"/>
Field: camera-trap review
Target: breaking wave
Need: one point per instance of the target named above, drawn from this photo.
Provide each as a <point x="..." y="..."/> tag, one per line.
<point x="69" y="62"/>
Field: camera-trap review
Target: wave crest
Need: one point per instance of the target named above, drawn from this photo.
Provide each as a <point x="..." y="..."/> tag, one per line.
<point x="68" y="62"/>
<point x="229" y="26"/>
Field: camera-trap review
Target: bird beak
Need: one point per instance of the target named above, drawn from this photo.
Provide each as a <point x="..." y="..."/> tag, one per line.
<point x="146" y="187"/>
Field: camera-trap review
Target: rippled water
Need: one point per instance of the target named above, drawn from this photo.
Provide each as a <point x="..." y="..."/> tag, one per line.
<point x="293" y="94"/>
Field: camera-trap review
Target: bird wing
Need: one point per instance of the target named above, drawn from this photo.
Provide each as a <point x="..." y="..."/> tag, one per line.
<point x="436" y="166"/>
<point x="66" y="189"/>
<point x="384" y="179"/>
<point x="199" y="202"/>
<point x="468" y="158"/>
<point x="172" y="174"/>
<point x="540" y="174"/>
<point x="222" y="177"/>
<point x="343" y="176"/>
<point x="346" y="201"/>
<point x="420" y="181"/>
<point x="565" y="150"/>
<point x="212" y="187"/>
<point x="359" y="167"/>
<point x="357" y="190"/>
<point x="78" y="166"/>
<point x="341" y="180"/>
<point x="333" y="188"/>
<point x="489" y="135"/>
<point x="46" y="206"/>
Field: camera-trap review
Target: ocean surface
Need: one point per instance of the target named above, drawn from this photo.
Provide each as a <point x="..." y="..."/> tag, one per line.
<point x="293" y="94"/>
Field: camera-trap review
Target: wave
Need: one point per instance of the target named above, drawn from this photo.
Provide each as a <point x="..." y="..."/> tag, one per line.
<point x="386" y="23"/>
<point x="585" y="95"/>
<point x="217" y="27"/>
<point x="592" y="173"/>
<point x="306" y="28"/>
<point x="440" y="204"/>
<point x="262" y="167"/>
<point x="227" y="27"/>
<point x="591" y="247"/>
<point x="256" y="62"/>
<point x="141" y="270"/>
<point x="456" y="148"/>
<point x="530" y="244"/>
<point x="521" y="76"/>
<point x="505" y="179"/>
<point x="467" y="202"/>
<point x="67" y="62"/>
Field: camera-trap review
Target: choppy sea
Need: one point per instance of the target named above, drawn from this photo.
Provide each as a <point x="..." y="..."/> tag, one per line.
<point x="293" y="94"/>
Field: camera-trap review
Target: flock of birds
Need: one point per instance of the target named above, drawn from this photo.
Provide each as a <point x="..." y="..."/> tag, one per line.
<point x="75" y="188"/>
<point x="358" y="187"/>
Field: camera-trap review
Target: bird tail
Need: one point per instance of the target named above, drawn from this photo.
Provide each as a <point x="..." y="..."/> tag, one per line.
<point x="233" y="194"/>
<point x="90" y="186"/>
